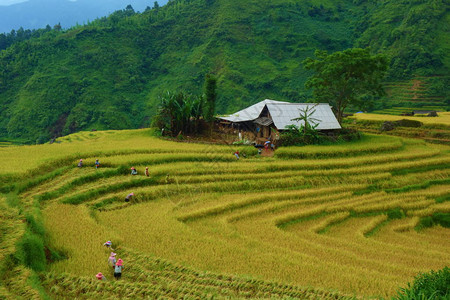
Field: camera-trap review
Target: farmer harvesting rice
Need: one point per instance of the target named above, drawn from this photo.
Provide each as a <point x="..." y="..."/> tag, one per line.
<point x="133" y="171"/>
<point x="129" y="197"/>
<point x="112" y="260"/>
<point x="118" y="269"/>
<point x="168" y="179"/>
<point x="100" y="276"/>
<point x="80" y="163"/>
<point x="97" y="164"/>
<point x="108" y="244"/>
<point x="146" y="172"/>
<point x="236" y="154"/>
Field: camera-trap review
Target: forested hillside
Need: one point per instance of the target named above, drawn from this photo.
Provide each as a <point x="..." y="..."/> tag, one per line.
<point x="109" y="74"/>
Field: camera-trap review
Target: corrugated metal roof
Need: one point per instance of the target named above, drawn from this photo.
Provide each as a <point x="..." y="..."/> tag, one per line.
<point x="282" y="114"/>
<point x="250" y="113"/>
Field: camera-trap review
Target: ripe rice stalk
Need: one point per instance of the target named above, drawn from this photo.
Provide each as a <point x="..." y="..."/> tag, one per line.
<point x="329" y="220"/>
<point x="409" y="225"/>
<point x="372" y="224"/>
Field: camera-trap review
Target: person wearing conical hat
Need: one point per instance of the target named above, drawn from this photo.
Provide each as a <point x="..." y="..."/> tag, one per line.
<point x="146" y="172"/>
<point x="108" y="244"/>
<point x="133" y="171"/>
<point x="100" y="276"/>
<point x="112" y="260"/>
<point x="118" y="269"/>
<point x="80" y="163"/>
<point x="129" y="197"/>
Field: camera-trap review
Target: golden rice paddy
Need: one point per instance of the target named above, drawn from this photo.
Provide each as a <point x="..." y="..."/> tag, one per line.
<point x="312" y="222"/>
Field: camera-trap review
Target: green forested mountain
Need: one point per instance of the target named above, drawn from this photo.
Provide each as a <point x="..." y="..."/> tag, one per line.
<point x="109" y="73"/>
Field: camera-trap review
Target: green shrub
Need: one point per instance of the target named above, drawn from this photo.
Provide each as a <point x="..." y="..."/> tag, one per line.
<point x="432" y="285"/>
<point x="31" y="251"/>
<point x="425" y="222"/>
<point x="347" y="135"/>
<point x="8" y="263"/>
<point x="53" y="255"/>
<point x="43" y="138"/>
<point x="443" y="198"/>
<point x="35" y="226"/>
<point x="296" y="138"/>
<point x="442" y="219"/>
<point x="408" y="123"/>
<point x="396" y="213"/>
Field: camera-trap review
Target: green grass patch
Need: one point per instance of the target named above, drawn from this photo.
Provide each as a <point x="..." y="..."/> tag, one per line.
<point x="442" y="199"/>
<point x="28" y="184"/>
<point x="376" y="229"/>
<point x="419" y="186"/>
<point x="367" y="145"/>
<point x="78" y="199"/>
<point x="31" y="251"/>
<point x="328" y="227"/>
<point x="285" y="224"/>
<point x="368" y="190"/>
<point x="13" y="200"/>
<point x="434" y="285"/>
<point x="421" y="169"/>
<point x="442" y="219"/>
<point x="105" y="202"/>
<point x="35" y="282"/>
<point x="396" y="213"/>
<point x="122" y="170"/>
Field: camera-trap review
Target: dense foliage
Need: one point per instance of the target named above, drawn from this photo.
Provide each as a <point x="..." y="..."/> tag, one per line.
<point x="344" y="78"/>
<point x="7" y="39"/>
<point x="432" y="285"/>
<point x="298" y="137"/>
<point x="179" y="114"/>
<point x="109" y="73"/>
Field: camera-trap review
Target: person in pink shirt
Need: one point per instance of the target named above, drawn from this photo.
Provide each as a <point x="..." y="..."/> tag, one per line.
<point x="129" y="197"/>
<point x="112" y="260"/>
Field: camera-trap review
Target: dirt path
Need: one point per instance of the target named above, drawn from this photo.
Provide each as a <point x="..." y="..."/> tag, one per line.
<point x="267" y="153"/>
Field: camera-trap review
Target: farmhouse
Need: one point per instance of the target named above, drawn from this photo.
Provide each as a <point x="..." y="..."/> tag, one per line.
<point x="266" y="118"/>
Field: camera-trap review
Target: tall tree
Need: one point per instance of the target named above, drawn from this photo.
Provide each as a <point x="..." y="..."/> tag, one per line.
<point x="210" y="97"/>
<point x="57" y="27"/>
<point x="343" y="77"/>
<point x="129" y="8"/>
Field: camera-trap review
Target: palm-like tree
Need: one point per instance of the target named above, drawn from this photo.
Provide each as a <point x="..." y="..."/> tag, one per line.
<point x="180" y="113"/>
<point x="310" y="123"/>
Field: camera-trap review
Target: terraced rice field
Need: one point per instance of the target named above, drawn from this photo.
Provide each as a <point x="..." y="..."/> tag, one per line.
<point x="5" y="144"/>
<point x="433" y="130"/>
<point x="416" y="92"/>
<point x="443" y="118"/>
<point x="398" y="111"/>
<point x="316" y="222"/>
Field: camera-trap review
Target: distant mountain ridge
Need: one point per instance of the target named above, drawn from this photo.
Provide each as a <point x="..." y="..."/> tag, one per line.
<point x="109" y="74"/>
<point x="34" y="14"/>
